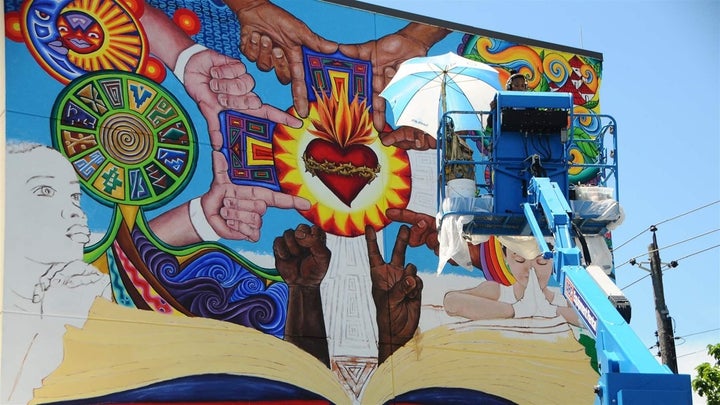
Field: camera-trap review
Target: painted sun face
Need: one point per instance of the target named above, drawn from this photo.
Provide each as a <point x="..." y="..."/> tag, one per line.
<point x="69" y="38"/>
<point x="80" y="32"/>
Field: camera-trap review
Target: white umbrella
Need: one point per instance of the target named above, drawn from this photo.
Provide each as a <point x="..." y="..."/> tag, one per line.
<point x="425" y="88"/>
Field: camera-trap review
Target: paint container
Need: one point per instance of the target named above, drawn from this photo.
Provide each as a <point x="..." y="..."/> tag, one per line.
<point x="459" y="195"/>
<point x="461" y="188"/>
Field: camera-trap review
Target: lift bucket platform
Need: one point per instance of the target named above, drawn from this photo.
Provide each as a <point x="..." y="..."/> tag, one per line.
<point x="531" y="138"/>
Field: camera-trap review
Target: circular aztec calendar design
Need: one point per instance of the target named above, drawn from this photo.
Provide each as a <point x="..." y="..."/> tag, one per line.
<point x="130" y="141"/>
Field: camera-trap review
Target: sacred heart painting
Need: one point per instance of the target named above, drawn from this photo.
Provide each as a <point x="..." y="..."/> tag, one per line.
<point x="336" y="160"/>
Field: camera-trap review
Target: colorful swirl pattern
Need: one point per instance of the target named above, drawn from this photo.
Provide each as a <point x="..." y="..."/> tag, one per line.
<point x="549" y="70"/>
<point x="213" y="285"/>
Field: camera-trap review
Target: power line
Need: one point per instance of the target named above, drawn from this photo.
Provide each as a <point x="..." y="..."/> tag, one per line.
<point x="664" y="221"/>
<point x="688" y="212"/>
<point x="701" y="350"/>
<point x="698" y="252"/>
<point x="671" y="245"/>
<point x="691" y="353"/>
<point x="636" y="281"/>
<point x="689" y="239"/>
<point x="683" y="339"/>
<point x="699" y="333"/>
<point x="630" y="240"/>
<point x="673" y="264"/>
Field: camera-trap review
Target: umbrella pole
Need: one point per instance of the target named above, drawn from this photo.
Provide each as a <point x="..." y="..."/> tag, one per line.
<point x="443" y="96"/>
<point x="455" y="147"/>
<point x="449" y="136"/>
<point x="451" y="144"/>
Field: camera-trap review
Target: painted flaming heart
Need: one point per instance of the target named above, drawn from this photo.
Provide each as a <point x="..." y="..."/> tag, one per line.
<point x="339" y="155"/>
<point x="292" y="152"/>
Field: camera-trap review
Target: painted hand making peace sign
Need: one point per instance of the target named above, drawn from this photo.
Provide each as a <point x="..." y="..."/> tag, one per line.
<point x="396" y="290"/>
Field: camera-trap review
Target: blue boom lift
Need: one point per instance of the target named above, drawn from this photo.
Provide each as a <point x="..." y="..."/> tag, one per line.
<point x="527" y="158"/>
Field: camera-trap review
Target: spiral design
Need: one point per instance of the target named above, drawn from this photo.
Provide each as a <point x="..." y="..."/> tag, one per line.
<point x="556" y="68"/>
<point x="575" y="156"/>
<point x="127" y="139"/>
<point x="249" y="285"/>
<point x="586" y="120"/>
<point x="590" y="77"/>
<point x="214" y="285"/>
<point x="163" y="264"/>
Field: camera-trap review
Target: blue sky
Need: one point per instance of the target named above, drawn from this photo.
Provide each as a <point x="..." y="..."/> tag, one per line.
<point x="660" y="82"/>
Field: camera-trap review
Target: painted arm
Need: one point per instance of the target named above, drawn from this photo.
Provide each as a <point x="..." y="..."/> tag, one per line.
<point x="480" y="302"/>
<point x="303" y="259"/>
<point x="273" y="39"/>
<point x="231" y="211"/>
<point x="387" y="53"/>
<point x="396" y="291"/>
<point x="216" y="82"/>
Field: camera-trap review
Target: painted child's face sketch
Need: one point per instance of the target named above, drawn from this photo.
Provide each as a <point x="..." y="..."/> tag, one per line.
<point x="44" y="217"/>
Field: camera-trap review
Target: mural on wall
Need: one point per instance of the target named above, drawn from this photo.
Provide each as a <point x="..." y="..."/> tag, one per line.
<point x="557" y="71"/>
<point x="206" y="201"/>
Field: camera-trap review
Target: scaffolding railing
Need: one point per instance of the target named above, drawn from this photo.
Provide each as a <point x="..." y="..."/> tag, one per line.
<point x="589" y="160"/>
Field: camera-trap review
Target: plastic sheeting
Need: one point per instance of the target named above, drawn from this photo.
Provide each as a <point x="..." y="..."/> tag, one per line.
<point x="453" y="241"/>
<point x="597" y="204"/>
<point x="452" y="244"/>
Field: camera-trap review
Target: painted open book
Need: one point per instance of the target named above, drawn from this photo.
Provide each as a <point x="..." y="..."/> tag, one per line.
<point x="125" y="355"/>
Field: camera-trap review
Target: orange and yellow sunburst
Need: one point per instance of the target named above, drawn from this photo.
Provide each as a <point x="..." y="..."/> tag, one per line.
<point x="389" y="189"/>
<point x="125" y="46"/>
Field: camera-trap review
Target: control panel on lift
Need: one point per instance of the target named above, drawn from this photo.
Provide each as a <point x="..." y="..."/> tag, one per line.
<point x="529" y="142"/>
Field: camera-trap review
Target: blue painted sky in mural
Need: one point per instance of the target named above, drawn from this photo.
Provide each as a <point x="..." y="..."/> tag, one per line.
<point x="660" y="81"/>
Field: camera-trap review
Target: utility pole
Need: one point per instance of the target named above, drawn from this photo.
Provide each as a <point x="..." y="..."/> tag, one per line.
<point x="664" y="322"/>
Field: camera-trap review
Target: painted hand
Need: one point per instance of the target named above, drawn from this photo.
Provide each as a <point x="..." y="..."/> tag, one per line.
<point x="273" y="39"/>
<point x="396" y="290"/>
<point x="386" y="55"/>
<point x="422" y="227"/>
<point x="69" y="288"/>
<point x="534" y="302"/>
<point x="217" y="82"/>
<point x="408" y="138"/>
<point x="301" y="256"/>
<point x="235" y="212"/>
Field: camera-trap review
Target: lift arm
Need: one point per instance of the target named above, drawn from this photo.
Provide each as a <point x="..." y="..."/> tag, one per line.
<point x="629" y="373"/>
<point x="530" y="126"/>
